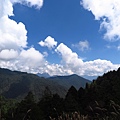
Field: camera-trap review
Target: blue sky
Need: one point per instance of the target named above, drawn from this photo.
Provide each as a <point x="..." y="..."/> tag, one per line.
<point x="60" y="37"/>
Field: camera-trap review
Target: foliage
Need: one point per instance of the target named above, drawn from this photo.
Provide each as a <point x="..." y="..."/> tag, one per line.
<point x="16" y="85"/>
<point x="99" y="100"/>
<point x="71" y="80"/>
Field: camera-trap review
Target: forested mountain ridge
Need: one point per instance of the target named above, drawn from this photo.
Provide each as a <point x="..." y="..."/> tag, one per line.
<point x="70" y="80"/>
<point x="14" y="84"/>
<point x="104" y="89"/>
<point x="107" y="86"/>
<point x="99" y="100"/>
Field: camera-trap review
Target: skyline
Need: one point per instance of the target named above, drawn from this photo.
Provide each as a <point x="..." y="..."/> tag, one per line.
<point x="60" y="37"/>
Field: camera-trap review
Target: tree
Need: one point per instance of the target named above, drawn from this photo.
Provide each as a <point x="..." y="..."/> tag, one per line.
<point x="26" y="108"/>
<point x="71" y="100"/>
<point x="45" y="103"/>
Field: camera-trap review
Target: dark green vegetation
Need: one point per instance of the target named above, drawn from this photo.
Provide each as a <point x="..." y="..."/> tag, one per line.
<point x="71" y="80"/>
<point x="99" y="100"/>
<point x="16" y="85"/>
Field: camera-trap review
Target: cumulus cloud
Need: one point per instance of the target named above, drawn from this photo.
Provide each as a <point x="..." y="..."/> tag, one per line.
<point x="14" y="52"/>
<point x="74" y="64"/>
<point x="6" y="8"/>
<point x="108" y="13"/>
<point x="12" y="37"/>
<point x="48" y="42"/>
<point x="68" y="57"/>
<point x="29" y="60"/>
<point x="31" y="57"/>
<point x="98" y="67"/>
<point x="8" y="54"/>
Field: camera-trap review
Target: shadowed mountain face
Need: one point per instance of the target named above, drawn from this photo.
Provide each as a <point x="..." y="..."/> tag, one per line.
<point x="15" y="84"/>
<point x="71" y="80"/>
<point x="107" y="87"/>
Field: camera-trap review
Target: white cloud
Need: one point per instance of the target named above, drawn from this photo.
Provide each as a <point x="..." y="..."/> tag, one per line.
<point x="13" y="35"/>
<point x="37" y="3"/>
<point x="71" y="62"/>
<point x="82" y="45"/>
<point x="30" y="60"/>
<point x="31" y="57"/>
<point x="8" y="54"/>
<point x="48" y="42"/>
<point x="45" y="54"/>
<point x="98" y="67"/>
<point x="13" y="40"/>
<point x="6" y="8"/>
<point x="107" y="11"/>
<point x="114" y="47"/>
<point x="68" y="57"/>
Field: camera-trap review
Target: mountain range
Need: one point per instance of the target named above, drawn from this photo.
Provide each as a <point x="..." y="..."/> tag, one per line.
<point x="46" y="75"/>
<point x="70" y="80"/>
<point x="16" y="85"/>
<point x="98" y="100"/>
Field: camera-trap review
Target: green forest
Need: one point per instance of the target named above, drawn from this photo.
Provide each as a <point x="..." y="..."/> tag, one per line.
<point x="99" y="100"/>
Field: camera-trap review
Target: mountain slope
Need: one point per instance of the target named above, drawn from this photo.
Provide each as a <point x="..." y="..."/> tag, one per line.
<point x="108" y="86"/>
<point x="71" y="80"/>
<point x="104" y="89"/>
<point x="15" y="84"/>
<point x="45" y="75"/>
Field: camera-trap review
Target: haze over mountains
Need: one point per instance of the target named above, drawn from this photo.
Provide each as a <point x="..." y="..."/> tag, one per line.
<point x="14" y="84"/>
<point x="46" y="75"/>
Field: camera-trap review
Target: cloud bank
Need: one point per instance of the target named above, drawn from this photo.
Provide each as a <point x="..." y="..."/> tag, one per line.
<point x="14" y="52"/>
<point x="74" y="64"/>
<point x="107" y="12"/>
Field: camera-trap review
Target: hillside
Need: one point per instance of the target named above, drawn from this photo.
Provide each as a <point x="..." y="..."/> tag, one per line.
<point x="104" y="89"/>
<point x="99" y="100"/>
<point x="71" y="80"/>
<point x="107" y="87"/>
<point x="15" y="84"/>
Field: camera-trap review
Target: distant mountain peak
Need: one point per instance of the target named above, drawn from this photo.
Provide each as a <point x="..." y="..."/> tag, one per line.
<point x="45" y="75"/>
<point x="70" y="80"/>
<point x="16" y="85"/>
